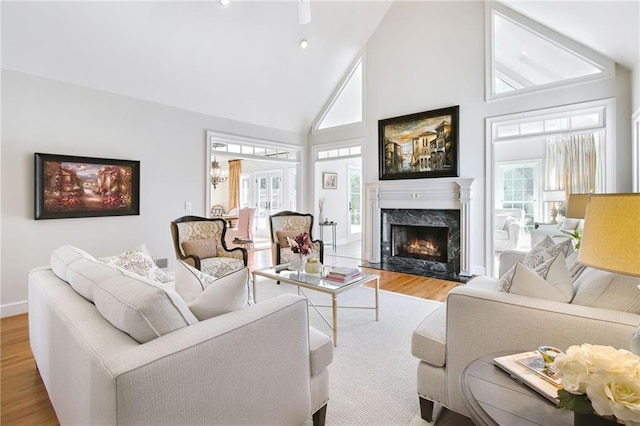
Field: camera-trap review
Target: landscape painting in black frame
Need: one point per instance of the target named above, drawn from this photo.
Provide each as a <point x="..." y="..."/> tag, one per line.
<point x="70" y="186"/>
<point x="420" y="145"/>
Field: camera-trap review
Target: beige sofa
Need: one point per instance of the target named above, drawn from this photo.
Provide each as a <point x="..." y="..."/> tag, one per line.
<point x="478" y="320"/>
<point x="113" y="347"/>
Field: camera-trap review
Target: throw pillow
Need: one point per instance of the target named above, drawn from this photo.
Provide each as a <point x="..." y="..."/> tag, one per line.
<point x="282" y="237"/>
<point x="537" y="256"/>
<point x="607" y="290"/>
<point x="569" y="224"/>
<point x="142" y="308"/>
<point x="208" y="296"/>
<point x="575" y="268"/>
<point x="63" y="256"/>
<point x="139" y="261"/>
<point x="550" y="280"/>
<point x="204" y="249"/>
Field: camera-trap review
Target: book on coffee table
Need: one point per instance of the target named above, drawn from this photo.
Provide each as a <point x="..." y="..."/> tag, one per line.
<point x="525" y="368"/>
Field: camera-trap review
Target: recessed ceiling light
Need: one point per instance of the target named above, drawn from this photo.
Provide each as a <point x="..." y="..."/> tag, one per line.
<point x="224" y="3"/>
<point x="304" y="44"/>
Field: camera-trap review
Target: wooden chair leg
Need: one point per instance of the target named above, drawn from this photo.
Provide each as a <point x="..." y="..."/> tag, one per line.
<point x="426" y="409"/>
<point x="319" y="416"/>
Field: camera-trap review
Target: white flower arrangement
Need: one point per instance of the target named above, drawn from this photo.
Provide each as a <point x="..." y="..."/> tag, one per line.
<point x="600" y="379"/>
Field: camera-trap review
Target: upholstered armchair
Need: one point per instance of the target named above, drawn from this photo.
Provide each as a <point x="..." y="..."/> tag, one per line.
<point x="508" y="225"/>
<point x="199" y="242"/>
<point x="291" y="224"/>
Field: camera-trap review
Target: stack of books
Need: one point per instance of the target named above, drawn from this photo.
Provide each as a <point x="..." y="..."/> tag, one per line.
<point x="529" y="368"/>
<point x="344" y="275"/>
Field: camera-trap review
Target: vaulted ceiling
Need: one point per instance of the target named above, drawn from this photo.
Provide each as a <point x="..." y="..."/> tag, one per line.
<point x="243" y="61"/>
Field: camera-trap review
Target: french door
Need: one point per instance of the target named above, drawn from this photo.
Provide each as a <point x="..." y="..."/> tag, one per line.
<point x="355" y="202"/>
<point x="269" y="199"/>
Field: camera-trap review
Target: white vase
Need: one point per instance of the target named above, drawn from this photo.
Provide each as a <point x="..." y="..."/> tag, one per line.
<point x="297" y="262"/>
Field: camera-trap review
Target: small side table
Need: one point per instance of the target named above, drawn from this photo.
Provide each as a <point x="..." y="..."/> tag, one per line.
<point x="333" y="233"/>
<point x="493" y="398"/>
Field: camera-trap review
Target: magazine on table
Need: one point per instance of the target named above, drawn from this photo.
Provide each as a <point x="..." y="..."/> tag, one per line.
<point x="525" y="368"/>
<point x="345" y="272"/>
<point x="343" y="280"/>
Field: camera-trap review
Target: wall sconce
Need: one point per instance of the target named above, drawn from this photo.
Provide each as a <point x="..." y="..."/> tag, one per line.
<point x="217" y="174"/>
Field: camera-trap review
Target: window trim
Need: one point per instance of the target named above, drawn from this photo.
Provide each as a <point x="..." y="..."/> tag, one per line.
<point x="606" y="65"/>
<point x="360" y="60"/>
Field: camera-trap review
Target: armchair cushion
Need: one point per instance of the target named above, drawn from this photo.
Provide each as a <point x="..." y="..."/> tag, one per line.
<point x="283" y="235"/>
<point x="321" y="351"/>
<point x="209" y="296"/>
<point x="204" y="249"/>
<point x="428" y="341"/>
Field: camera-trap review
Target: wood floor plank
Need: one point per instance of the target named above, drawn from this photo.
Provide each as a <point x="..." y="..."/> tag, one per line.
<point x="24" y="399"/>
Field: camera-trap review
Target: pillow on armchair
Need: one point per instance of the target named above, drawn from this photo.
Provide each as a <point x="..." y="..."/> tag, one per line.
<point x="204" y="249"/>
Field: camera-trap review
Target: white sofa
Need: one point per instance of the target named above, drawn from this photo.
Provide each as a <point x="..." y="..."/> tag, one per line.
<point x="478" y="320"/>
<point x="260" y="364"/>
<point x="508" y="225"/>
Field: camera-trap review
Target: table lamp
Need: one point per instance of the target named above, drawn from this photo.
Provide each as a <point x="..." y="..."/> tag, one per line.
<point x="577" y="205"/>
<point x="611" y="238"/>
<point x="553" y="196"/>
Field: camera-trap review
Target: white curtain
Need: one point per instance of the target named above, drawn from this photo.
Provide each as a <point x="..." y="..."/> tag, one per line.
<point x="574" y="164"/>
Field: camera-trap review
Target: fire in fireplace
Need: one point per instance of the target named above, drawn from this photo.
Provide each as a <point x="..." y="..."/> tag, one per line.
<point x="420" y="242"/>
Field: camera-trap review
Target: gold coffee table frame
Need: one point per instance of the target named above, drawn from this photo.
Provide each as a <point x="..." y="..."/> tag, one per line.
<point x="317" y="283"/>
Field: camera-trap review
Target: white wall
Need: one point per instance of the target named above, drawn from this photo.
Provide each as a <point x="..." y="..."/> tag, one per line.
<point x="336" y="201"/>
<point x="635" y="87"/>
<point x="40" y="115"/>
<point x="429" y="55"/>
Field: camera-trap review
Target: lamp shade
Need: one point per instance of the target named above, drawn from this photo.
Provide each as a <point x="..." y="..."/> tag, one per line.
<point x="611" y="236"/>
<point x="552" y="196"/>
<point x="577" y="205"/>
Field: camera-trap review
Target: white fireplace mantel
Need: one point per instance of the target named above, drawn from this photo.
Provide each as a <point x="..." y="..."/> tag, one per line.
<point x="444" y="193"/>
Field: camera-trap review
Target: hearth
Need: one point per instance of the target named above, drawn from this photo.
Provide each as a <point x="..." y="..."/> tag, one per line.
<point x="420" y="242"/>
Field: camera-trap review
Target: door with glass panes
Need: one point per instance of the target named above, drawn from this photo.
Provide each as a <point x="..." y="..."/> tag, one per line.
<point x="269" y="199"/>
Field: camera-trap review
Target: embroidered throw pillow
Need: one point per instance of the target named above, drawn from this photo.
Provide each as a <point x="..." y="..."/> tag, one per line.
<point x="547" y="250"/>
<point x="139" y="261"/>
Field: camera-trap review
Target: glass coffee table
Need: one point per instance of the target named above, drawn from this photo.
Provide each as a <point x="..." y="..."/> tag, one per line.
<point x="317" y="283"/>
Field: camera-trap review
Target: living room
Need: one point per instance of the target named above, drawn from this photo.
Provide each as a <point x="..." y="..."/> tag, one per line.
<point x="418" y="56"/>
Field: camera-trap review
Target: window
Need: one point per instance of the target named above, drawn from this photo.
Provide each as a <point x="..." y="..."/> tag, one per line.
<point x="346" y="106"/>
<point x="350" y="151"/>
<point x="517" y="188"/>
<point x="524" y="56"/>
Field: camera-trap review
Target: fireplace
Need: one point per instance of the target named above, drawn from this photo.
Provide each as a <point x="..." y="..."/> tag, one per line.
<point x="440" y="206"/>
<point x="420" y="242"/>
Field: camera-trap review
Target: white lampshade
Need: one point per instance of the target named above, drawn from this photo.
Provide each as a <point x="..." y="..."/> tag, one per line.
<point x="553" y="195"/>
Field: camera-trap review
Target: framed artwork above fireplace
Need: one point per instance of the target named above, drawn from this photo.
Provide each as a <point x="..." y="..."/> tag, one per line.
<point x="420" y="145"/>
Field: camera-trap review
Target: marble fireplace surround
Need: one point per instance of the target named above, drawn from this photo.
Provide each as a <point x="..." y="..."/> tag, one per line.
<point x="433" y="194"/>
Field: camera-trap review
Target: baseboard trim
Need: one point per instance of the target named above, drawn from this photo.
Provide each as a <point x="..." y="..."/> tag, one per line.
<point x="11" y="309"/>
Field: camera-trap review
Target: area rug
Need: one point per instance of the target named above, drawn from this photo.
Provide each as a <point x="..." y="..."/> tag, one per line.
<point x="373" y="374"/>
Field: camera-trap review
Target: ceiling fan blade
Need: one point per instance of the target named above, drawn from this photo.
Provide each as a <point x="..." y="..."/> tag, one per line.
<point x="304" y="11"/>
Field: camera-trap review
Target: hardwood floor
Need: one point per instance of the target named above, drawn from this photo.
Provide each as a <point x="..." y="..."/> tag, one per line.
<point x="24" y="400"/>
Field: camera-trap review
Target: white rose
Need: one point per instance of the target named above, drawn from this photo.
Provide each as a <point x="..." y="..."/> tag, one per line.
<point x="618" y="395"/>
<point x="573" y="369"/>
<point x="612" y="360"/>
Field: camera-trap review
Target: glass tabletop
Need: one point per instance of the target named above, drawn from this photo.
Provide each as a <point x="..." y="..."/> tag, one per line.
<point x="309" y="279"/>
